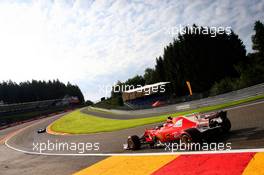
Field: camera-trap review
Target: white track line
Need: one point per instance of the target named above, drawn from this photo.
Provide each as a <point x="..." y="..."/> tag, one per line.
<point x="138" y="154"/>
<point x="141" y="154"/>
<point x="242" y="106"/>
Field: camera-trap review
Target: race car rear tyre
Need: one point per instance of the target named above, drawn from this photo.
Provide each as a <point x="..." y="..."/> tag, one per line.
<point x="133" y="142"/>
<point x="226" y="125"/>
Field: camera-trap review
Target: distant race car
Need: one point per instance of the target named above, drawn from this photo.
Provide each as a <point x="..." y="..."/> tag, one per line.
<point x="42" y="130"/>
<point x="193" y="128"/>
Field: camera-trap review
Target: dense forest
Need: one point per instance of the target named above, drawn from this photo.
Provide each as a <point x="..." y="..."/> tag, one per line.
<point x="214" y="64"/>
<point x="11" y="92"/>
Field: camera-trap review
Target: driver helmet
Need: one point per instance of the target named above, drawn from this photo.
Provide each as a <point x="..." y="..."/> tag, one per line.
<point x="169" y="119"/>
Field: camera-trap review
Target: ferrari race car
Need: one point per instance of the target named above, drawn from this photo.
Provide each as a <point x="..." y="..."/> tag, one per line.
<point x="193" y="128"/>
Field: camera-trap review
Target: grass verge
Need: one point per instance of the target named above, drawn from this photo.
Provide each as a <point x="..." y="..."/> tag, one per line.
<point x="79" y="123"/>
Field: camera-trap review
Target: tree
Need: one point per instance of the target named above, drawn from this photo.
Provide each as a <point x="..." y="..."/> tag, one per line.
<point x="200" y="59"/>
<point x="250" y="69"/>
<point x="88" y="103"/>
<point x="159" y="69"/>
<point x="11" y="92"/>
<point x="137" y="80"/>
<point x="253" y="72"/>
<point x="149" y="76"/>
<point x="258" y="38"/>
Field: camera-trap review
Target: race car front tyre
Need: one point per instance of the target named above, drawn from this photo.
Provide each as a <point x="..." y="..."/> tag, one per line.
<point x="133" y="142"/>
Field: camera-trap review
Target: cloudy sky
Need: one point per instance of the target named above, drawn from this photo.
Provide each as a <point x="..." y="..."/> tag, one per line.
<point x="95" y="43"/>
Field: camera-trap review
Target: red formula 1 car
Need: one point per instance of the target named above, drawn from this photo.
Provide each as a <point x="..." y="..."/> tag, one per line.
<point x="187" y="129"/>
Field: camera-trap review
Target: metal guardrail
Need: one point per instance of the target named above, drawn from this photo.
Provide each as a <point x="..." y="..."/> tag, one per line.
<point x="209" y="101"/>
<point x="5" y="108"/>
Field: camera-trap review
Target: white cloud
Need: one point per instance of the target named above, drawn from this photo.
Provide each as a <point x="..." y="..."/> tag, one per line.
<point x="95" y="43"/>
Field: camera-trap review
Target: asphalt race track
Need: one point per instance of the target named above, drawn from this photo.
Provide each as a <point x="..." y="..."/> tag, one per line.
<point x="247" y="132"/>
<point x="15" y="162"/>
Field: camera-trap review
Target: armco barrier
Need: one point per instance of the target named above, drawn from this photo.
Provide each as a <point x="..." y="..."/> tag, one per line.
<point x="209" y="101"/>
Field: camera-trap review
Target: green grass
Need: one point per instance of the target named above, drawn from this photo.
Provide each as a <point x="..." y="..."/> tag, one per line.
<point x="80" y="123"/>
